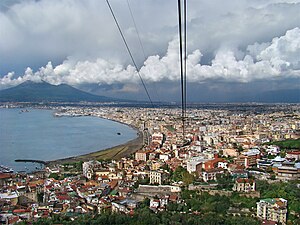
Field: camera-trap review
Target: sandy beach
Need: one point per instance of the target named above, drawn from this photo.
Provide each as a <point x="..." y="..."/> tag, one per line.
<point x="117" y="152"/>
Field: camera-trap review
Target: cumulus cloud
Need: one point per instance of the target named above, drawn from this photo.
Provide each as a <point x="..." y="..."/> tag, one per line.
<point x="75" y="73"/>
<point x="35" y="32"/>
<point x="278" y="59"/>
<point x="274" y="60"/>
<point x="76" y="42"/>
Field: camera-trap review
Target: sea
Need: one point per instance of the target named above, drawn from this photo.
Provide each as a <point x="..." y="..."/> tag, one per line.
<point x="37" y="134"/>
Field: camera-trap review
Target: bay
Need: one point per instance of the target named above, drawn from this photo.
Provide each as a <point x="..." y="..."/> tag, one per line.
<point x="38" y="135"/>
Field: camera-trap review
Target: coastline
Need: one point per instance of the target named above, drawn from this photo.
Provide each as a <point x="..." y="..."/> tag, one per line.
<point x="112" y="153"/>
<point x="116" y="152"/>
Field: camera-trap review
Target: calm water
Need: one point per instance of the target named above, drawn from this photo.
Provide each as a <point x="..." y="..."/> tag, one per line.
<point x="37" y="134"/>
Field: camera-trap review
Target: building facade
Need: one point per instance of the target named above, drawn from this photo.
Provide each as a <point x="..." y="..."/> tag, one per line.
<point x="142" y="155"/>
<point x="274" y="209"/>
<point x="244" y="185"/>
<point x="157" y="177"/>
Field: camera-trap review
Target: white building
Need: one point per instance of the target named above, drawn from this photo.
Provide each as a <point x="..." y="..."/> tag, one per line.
<point x="223" y="165"/>
<point x="88" y="168"/>
<point x="274" y="209"/>
<point x="154" y="203"/>
<point x="194" y="162"/>
<point x="273" y="150"/>
<point x="157" y="177"/>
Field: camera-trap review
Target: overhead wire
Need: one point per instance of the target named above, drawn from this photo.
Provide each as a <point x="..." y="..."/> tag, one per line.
<point x="129" y="52"/>
<point x="140" y="42"/>
<point x="185" y="56"/>
<point x="182" y="21"/>
<point x="136" y="29"/>
<point x="181" y="67"/>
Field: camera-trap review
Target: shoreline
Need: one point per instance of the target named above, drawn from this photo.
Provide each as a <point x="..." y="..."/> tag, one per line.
<point x="115" y="152"/>
<point x="111" y="153"/>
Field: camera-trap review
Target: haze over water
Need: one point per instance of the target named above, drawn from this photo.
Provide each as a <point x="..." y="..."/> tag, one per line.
<point x="37" y="134"/>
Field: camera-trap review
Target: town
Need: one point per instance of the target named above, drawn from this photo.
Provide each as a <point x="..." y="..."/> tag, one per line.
<point x="224" y="166"/>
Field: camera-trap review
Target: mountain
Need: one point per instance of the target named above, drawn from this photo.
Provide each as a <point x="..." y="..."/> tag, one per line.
<point x="44" y="92"/>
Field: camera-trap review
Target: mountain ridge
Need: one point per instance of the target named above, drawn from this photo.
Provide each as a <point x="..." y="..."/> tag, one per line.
<point x="30" y="91"/>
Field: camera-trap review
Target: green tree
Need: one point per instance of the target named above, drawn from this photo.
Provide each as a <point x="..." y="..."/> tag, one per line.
<point x="241" y="220"/>
<point x="225" y="181"/>
<point x="240" y="148"/>
<point x="181" y="174"/>
<point x="286" y="190"/>
<point x="54" y="175"/>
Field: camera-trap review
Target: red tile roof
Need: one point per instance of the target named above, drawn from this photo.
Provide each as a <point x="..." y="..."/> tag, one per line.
<point x="244" y="180"/>
<point x="294" y="153"/>
<point x="20" y="211"/>
<point x="5" y="175"/>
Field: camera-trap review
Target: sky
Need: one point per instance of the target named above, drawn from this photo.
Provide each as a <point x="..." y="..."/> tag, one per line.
<point x="235" y="47"/>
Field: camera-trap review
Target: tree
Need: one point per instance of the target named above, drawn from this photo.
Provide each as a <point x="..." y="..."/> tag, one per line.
<point x="177" y="175"/>
<point x="54" y="175"/>
<point x="286" y="190"/>
<point x="40" y="197"/>
<point x="181" y="174"/>
<point x="240" y="149"/>
<point x="145" y="203"/>
<point x="188" y="178"/>
<point x="225" y="181"/>
<point x="241" y="220"/>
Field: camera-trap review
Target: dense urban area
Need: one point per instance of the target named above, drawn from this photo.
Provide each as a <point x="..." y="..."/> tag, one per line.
<point x="235" y="164"/>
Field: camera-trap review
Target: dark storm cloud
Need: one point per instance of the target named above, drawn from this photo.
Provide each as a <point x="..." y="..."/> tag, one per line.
<point x="76" y="42"/>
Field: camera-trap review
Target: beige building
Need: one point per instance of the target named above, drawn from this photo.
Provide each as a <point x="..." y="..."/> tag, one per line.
<point x="246" y="160"/>
<point x="274" y="209"/>
<point x="230" y="152"/>
<point x="141" y="155"/>
<point x="244" y="185"/>
<point x="287" y="171"/>
<point x="11" y="197"/>
<point x="293" y="155"/>
<point x="157" y="177"/>
<point x="156" y="165"/>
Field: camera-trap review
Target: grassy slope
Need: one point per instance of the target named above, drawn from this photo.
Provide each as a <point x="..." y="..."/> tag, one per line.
<point x="116" y="152"/>
<point x="287" y="144"/>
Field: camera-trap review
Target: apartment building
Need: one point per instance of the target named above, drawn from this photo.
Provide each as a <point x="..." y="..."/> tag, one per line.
<point x="244" y="185"/>
<point x="157" y="177"/>
<point x="274" y="209"/>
